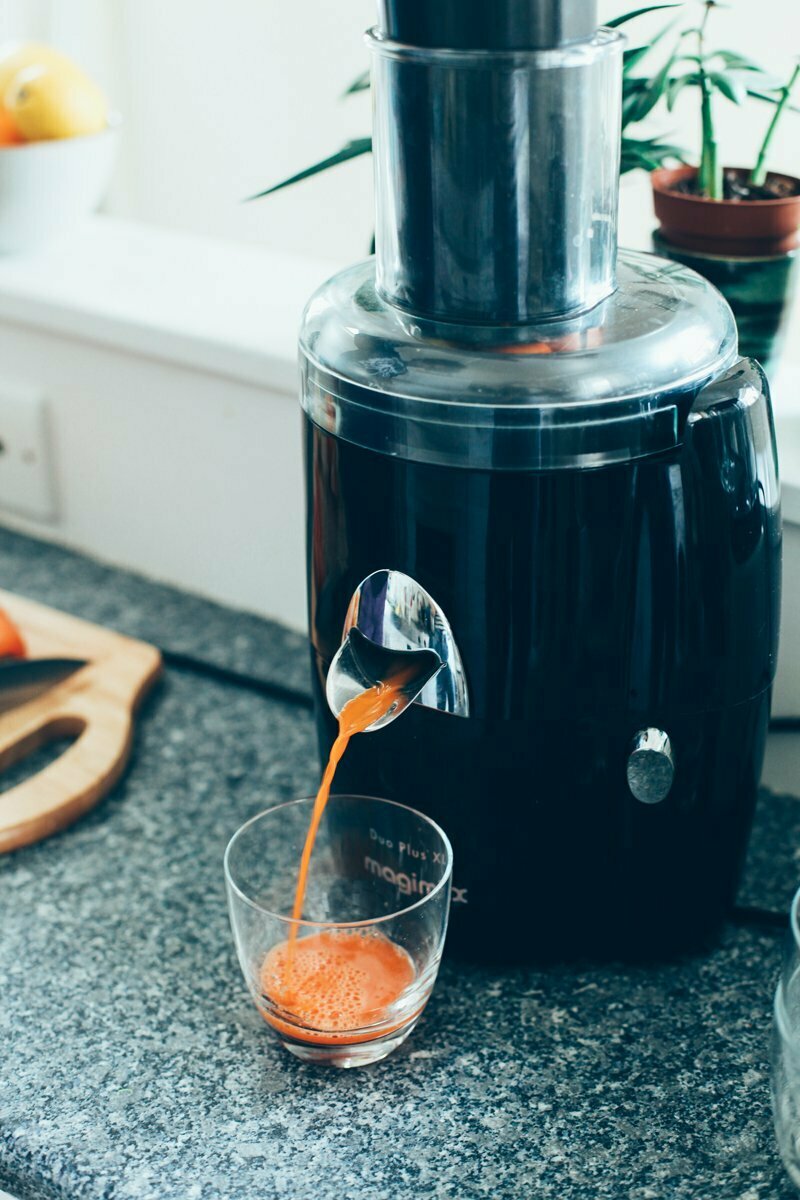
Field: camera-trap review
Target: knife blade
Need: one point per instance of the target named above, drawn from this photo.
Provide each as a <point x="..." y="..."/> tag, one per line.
<point x="22" y="679"/>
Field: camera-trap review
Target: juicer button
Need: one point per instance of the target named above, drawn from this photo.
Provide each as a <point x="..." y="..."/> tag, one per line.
<point x="651" y="767"/>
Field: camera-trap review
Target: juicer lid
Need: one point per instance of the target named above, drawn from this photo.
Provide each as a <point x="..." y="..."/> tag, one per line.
<point x="610" y="386"/>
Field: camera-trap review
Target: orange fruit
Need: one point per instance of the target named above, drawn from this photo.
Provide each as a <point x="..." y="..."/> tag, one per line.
<point x="11" y="643"/>
<point x="9" y="134"/>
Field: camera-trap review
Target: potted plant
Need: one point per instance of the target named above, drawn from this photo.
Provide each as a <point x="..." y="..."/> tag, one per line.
<point x="738" y="226"/>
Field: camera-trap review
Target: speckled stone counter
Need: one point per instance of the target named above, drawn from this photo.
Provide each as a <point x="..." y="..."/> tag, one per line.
<point x="132" y="1064"/>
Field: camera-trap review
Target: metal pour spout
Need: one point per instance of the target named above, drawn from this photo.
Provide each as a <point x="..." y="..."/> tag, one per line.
<point x="393" y="625"/>
<point x="359" y="664"/>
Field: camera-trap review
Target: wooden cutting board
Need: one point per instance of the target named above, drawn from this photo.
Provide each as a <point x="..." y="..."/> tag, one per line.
<point x="95" y="706"/>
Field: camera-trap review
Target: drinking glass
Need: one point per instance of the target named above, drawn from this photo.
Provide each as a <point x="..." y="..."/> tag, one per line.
<point x="378" y="883"/>
<point x="786" y="1050"/>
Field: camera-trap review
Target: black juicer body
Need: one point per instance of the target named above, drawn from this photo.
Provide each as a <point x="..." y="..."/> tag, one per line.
<point x="592" y="502"/>
<point x="588" y="606"/>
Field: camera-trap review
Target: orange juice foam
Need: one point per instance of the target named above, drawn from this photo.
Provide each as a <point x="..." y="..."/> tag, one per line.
<point x="336" y="982"/>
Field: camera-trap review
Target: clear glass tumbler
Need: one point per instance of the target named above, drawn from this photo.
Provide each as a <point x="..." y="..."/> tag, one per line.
<point x="786" y="1050"/>
<point x="346" y="984"/>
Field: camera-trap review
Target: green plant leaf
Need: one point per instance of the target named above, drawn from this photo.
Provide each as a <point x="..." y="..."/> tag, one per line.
<point x="639" y="12"/>
<point x="676" y="86"/>
<point x="633" y="84"/>
<point x="728" y="85"/>
<point x="631" y="57"/>
<point x="758" y="175"/>
<point x="360" y="84"/>
<point x="655" y="89"/>
<point x="757" y="94"/>
<point x="631" y="91"/>
<point x="740" y="62"/>
<point x="648" y="154"/>
<point x="353" y="149"/>
<point x="636" y="162"/>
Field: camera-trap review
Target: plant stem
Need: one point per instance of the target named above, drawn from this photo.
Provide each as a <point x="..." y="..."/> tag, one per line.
<point x="758" y="175"/>
<point x="709" y="176"/>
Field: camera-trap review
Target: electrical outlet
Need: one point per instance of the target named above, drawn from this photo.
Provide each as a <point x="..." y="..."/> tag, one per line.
<point x="26" y="474"/>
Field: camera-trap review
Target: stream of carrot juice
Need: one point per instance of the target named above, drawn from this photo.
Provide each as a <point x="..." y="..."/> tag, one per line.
<point x="337" y="981"/>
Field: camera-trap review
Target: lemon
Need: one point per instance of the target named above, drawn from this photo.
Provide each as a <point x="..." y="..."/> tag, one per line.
<point x="56" y="101"/>
<point x="16" y="56"/>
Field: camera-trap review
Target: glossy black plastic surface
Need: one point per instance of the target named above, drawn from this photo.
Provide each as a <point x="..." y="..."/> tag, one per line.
<point x="478" y="25"/>
<point x="587" y="604"/>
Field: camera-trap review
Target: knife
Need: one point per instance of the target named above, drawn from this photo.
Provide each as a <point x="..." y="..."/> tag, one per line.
<point x="22" y="679"/>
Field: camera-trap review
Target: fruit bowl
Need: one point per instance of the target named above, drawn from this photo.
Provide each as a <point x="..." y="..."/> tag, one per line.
<point x="47" y="188"/>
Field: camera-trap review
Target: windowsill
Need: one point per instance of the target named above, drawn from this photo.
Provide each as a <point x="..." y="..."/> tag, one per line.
<point x="227" y="308"/>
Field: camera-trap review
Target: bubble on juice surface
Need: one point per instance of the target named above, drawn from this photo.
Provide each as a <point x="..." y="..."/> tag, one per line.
<point x="336" y="980"/>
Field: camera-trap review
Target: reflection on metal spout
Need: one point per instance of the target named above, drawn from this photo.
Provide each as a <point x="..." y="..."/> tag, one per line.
<point x="360" y="663"/>
<point x="393" y="611"/>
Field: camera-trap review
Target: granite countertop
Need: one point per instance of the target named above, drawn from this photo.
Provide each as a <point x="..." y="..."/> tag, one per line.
<point x="133" y="1065"/>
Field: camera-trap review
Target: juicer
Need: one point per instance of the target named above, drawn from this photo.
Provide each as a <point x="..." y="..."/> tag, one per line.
<point x="543" y="459"/>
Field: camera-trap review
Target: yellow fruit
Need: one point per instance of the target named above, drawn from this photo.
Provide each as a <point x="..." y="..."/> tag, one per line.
<point x="16" y="56"/>
<point x="55" y="102"/>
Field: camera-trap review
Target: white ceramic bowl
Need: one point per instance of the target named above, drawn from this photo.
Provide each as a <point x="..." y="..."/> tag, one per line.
<point x="47" y="188"/>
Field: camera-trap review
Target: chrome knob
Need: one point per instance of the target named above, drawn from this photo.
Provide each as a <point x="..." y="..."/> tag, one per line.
<point x="651" y="766"/>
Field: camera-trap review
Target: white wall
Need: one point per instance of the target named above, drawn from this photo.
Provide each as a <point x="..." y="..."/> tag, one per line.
<point x="222" y="99"/>
<point x="187" y="476"/>
<point x="24" y="18"/>
<point x="168" y="363"/>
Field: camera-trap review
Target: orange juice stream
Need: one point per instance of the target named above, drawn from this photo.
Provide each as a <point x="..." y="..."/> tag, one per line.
<point x="356" y="716"/>
<point x="337" y="979"/>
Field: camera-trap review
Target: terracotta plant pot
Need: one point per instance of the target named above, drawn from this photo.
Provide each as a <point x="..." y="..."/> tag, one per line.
<point x="746" y="248"/>
<point x="742" y="228"/>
